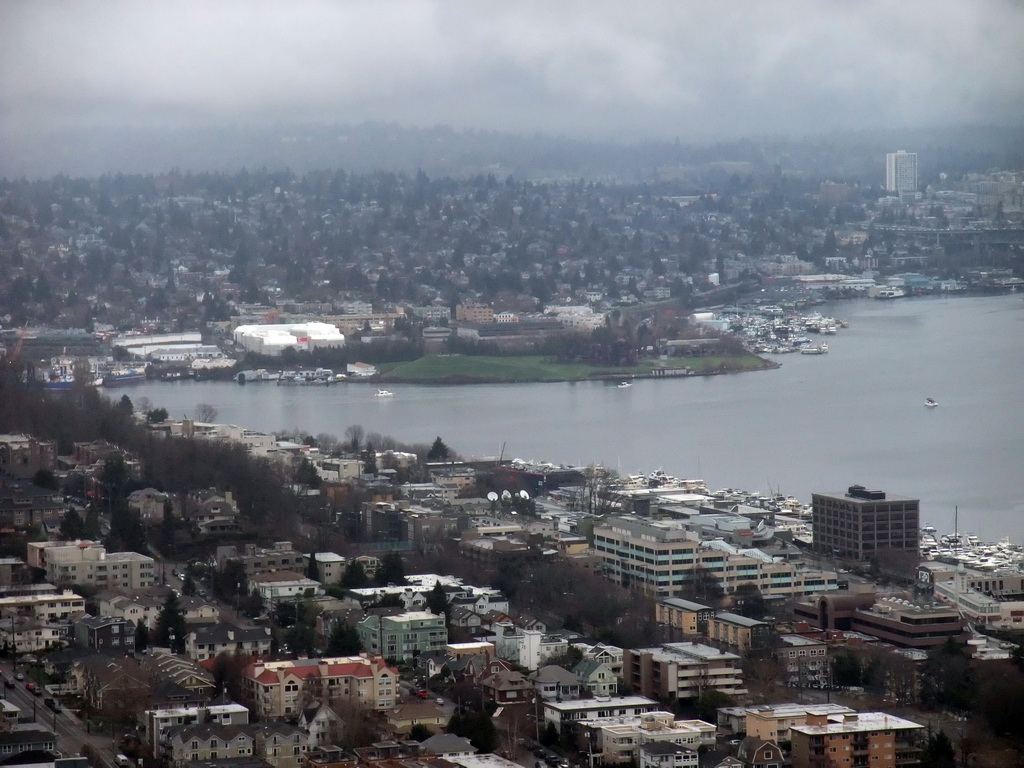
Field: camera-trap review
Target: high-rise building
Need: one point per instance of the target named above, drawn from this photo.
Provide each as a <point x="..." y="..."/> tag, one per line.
<point x="901" y="172"/>
<point x="858" y="524"/>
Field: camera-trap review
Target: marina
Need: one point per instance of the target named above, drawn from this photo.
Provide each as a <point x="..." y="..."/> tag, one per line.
<point x="812" y="423"/>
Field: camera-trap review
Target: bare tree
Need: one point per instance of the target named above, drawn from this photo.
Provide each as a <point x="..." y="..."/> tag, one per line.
<point x="327" y="442"/>
<point x="354" y="435"/>
<point x="205" y="413"/>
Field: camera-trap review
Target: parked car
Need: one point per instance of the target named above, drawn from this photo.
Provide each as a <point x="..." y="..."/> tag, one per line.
<point x="421" y="693"/>
<point x="439" y="700"/>
<point x="19" y="677"/>
<point x="8" y="683"/>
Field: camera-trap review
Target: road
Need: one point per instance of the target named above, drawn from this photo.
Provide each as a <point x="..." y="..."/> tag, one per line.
<point x="70" y="731"/>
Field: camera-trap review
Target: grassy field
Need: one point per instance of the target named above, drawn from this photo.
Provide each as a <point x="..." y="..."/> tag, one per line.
<point x="463" y="369"/>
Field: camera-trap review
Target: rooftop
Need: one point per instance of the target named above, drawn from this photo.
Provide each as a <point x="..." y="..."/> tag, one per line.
<point x="857" y="722"/>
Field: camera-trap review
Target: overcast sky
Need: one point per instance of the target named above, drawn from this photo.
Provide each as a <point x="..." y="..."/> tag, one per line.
<point x="592" y="68"/>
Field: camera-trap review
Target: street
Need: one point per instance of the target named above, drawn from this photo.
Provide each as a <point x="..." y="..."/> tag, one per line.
<point x="70" y="731"/>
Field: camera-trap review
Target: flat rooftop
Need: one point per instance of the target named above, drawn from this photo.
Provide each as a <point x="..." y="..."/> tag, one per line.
<point x="858" y="722"/>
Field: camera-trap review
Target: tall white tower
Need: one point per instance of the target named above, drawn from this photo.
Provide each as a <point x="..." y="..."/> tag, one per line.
<point x="901" y="172"/>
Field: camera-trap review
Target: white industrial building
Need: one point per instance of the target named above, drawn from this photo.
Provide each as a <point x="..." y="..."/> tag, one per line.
<point x="274" y="339"/>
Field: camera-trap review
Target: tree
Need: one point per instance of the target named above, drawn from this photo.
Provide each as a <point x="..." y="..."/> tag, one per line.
<point x="156" y="415"/>
<point x="205" y="412"/>
<point x="438" y="451"/>
<point x="938" y="751"/>
<point x="420" y="732"/>
<point x="709" y="702"/>
<point x="477" y="727"/>
<point x="749" y="602"/>
<point x="313" y="569"/>
<point x="354" y="576"/>
<point x="188" y="585"/>
<point x="45" y="478"/>
<point x="391" y="570"/>
<point x="549" y="736"/>
<point x="125" y="404"/>
<point x="170" y="627"/>
<point x="72" y="527"/>
<point x="141" y="636"/>
<point x="354" y="437"/>
<point x="344" y="640"/>
<point x="437" y="601"/>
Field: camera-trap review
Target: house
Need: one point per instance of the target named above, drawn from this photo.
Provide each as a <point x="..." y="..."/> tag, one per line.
<point x="507" y="687"/>
<point x="596" y="677"/>
<point x="24" y="504"/>
<point x="283" y="587"/>
<point x="417" y="712"/>
<point x="554" y="682"/>
<point x="448" y="745"/>
<point x="103" y="633"/>
<point x="19" y="741"/>
<point x="280" y="744"/>
<point x="150" y="504"/>
<point x="26" y="634"/>
<point x="321" y="724"/>
<point x="759" y="753"/>
<point x="209" y="640"/>
<point x="609" y="655"/>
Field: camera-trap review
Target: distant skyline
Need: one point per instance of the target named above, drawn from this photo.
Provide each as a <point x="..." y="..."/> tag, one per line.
<point x="655" y="70"/>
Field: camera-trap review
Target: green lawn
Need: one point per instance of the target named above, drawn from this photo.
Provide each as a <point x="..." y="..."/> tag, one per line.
<point x="470" y="369"/>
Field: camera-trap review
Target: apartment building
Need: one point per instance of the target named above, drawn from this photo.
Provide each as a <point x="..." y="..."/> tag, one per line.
<point x="330" y="567"/>
<point x="662" y="754"/>
<point x="86" y="562"/>
<point x="105" y="633"/>
<point x="203" y="742"/>
<point x="804" y="659"/>
<point x="278" y="689"/>
<point x="47" y="606"/>
<point x="403" y="636"/>
<point x="159" y="722"/>
<point x="208" y="641"/>
<point x="771" y="722"/>
<point x="856" y="740"/>
<point x="619" y="739"/>
<point x="567" y="715"/>
<point x="687" y="616"/>
<point x="282" y="556"/>
<point x="682" y="671"/>
<point x="283" y="587"/>
<point x="659" y="558"/>
<point x="24" y="504"/>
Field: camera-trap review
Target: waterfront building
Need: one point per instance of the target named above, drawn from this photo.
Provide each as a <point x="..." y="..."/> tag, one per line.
<point x="988" y="598"/>
<point x="891" y="620"/>
<point x="274" y="339"/>
<point x="901" y="172"/>
<point x="861" y="523"/>
<point x="660" y="558"/>
<point x="874" y="739"/>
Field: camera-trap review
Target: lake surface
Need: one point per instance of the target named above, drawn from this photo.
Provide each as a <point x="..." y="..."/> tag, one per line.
<point x="818" y="423"/>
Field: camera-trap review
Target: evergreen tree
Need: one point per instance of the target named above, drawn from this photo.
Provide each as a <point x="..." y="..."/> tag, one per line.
<point x="344" y="640"/>
<point x="391" y="570"/>
<point x="188" y="585"/>
<point x="354" y="576"/>
<point x="171" y="624"/>
<point x="141" y="636"/>
<point x="313" y="569"/>
<point x="72" y="527"/>
<point x="438" y="451"/>
<point x="437" y="601"/>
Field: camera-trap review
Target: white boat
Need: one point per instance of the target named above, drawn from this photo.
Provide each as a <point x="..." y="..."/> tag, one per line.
<point x="821" y="349"/>
<point x="891" y="293"/>
<point x="930" y="403"/>
<point x="384" y="393"/>
<point x="624" y="385"/>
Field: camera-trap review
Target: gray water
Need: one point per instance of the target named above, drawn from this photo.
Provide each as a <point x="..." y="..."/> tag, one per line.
<point x="818" y="423"/>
